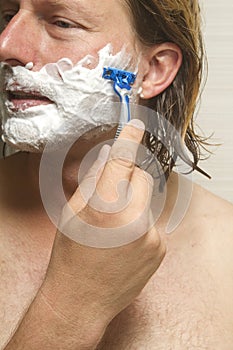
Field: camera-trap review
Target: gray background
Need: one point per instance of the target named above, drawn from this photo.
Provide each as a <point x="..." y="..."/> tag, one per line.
<point x="216" y="112"/>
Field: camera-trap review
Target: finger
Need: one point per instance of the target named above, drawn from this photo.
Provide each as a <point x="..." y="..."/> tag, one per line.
<point x="137" y="211"/>
<point x="124" y="150"/>
<point x="121" y="162"/>
<point x="133" y="130"/>
<point x="140" y="191"/>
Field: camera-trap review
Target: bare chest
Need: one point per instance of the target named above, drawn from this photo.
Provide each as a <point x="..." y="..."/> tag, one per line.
<point x="181" y="308"/>
<point x="184" y="306"/>
<point x="20" y="278"/>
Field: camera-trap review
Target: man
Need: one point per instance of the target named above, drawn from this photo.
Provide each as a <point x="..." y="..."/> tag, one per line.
<point x="84" y="297"/>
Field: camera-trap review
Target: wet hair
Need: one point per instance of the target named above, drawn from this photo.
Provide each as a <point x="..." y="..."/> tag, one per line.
<point x="179" y="22"/>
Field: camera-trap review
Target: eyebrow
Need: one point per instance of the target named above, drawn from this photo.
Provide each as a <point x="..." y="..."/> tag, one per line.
<point x="79" y="6"/>
<point x="76" y="6"/>
<point x="71" y="4"/>
<point x="59" y="3"/>
<point x="13" y="2"/>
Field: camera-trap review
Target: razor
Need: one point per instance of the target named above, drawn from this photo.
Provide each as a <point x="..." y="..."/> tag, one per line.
<point x="122" y="84"/>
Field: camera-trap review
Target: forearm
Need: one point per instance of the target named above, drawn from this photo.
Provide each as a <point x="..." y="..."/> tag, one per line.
<point x="44" y="328"/>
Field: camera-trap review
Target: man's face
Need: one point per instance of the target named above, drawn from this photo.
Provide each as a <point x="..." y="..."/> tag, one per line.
<point x="45" y="31"/>
<point x="42" y="31"/>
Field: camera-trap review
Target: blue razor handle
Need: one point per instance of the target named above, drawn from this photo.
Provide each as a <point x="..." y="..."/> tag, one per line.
<point x="122" y="84"/>
<point x="122" y="78"/>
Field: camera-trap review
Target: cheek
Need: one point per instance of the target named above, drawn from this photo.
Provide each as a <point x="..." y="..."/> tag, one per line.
<point x="73" y="51"/>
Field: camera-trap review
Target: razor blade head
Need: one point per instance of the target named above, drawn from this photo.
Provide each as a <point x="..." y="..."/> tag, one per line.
<point x="121" y="78"/>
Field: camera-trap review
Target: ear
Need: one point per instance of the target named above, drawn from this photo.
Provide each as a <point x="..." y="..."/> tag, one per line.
<point x="162" y="64"/>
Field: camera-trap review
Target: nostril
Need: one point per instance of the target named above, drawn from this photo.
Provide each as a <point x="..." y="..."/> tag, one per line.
<point x="13" y="62"/>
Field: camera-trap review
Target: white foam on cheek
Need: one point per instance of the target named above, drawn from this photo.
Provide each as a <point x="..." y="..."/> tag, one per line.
<point x="82" y="100"/>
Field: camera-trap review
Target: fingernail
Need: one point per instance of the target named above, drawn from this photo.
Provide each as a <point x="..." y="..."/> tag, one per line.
<point x="137" y="123"/>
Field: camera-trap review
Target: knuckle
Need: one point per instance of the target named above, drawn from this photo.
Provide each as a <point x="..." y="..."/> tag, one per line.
<point x="91" y="216"/>
<point x="157" y="253"/>
<point x="163" y="249"/>
<point x="123" y="162"/>
<point x="124" y="151"/>
<point x="157" y="243"/>
<point x="123" y="154"/>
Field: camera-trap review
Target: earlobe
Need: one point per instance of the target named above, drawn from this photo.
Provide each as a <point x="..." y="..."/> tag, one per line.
<point x="163" y="64"/>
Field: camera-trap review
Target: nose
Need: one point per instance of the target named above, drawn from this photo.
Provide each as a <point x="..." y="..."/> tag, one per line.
<point x="18" y="40"/>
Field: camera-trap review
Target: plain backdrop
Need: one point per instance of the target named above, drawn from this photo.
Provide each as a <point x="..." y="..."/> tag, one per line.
<point x="216" y="112"/>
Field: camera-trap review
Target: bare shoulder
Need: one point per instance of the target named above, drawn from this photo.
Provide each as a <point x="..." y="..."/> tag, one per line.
<point x="211" y="221"/>
<point x="212" y="212"/>
<point x="208" y="215"/>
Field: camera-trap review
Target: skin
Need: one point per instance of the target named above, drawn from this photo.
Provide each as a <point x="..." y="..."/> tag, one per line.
<point x="82" y="288"/>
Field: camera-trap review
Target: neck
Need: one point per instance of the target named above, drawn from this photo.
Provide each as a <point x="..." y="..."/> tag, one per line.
<point x="21" y="193"/>
<point x="23" y="217"/>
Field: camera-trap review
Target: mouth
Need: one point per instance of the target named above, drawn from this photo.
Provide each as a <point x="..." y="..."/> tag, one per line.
<point x="23" y="100"/>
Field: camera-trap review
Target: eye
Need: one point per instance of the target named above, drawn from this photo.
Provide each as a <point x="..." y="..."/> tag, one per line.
<point x="64" y="24"/>
<point x="5" y="18"/>
<point x="8" y="18"/>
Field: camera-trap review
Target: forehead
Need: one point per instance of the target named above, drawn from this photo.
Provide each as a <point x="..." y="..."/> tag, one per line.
<point x="103" y="17"/>
<point x="111" y="11"/>
<point x="79" y="4"/>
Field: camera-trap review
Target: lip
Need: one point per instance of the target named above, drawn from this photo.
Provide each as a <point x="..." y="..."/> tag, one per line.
<point x="23" y="100"/>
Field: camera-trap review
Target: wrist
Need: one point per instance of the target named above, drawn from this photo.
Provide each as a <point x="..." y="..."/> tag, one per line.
<point x="77" y="324"/>
<point x="79" y="318"/>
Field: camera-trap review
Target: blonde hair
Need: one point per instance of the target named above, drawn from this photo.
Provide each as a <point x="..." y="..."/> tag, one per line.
<point x="179" y="22"/>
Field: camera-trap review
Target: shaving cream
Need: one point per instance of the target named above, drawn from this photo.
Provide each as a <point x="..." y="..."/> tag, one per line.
<point x="81" y="100"/>
<point x="29" y="65"/>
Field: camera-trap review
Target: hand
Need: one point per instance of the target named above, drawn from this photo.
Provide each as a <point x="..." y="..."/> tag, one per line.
<point x="114" y="196"/>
